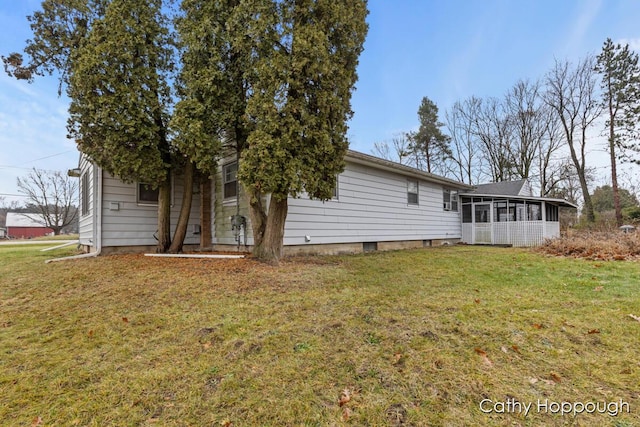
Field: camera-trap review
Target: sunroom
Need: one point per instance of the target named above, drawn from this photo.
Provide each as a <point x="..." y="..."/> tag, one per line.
<point x="516" y="220"/>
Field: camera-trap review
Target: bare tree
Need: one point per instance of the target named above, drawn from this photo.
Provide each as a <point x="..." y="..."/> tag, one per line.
<point x="54" y="195"/>
<point x="570" y="92"/>
<point x="465" y="163"/>
<point x="495" y="133"/>
<point x="528" y="121"/>
<point x="396" y="150"/>
<point x="549" y="169"/>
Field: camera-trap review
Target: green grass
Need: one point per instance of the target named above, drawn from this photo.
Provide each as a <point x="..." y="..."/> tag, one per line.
<point x="398" y="338"/>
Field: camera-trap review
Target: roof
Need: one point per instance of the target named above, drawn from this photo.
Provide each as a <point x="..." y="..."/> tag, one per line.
<point x="378" y="163"/>
<point x="560" y="202"/>
<point x="17" y="219"/>
<point x="503" y="188"/>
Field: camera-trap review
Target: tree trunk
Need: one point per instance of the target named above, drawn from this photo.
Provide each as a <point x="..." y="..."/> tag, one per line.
<point x="185" y="211"/>
<point x="164" y="216"/>
<point x="614" y="169"/>
<point x="205" y="213"/>
<point x="270" y="248"/>
<point x="258" y="216"/>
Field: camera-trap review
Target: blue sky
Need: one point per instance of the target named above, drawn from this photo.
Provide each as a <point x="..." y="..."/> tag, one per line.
<point x="447" y="50"/>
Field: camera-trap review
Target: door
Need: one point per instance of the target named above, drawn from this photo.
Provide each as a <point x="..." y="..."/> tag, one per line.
<point x="482" y="223"/>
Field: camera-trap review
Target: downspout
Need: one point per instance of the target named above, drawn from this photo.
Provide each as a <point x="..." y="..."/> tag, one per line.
<point x="97" y="223"/>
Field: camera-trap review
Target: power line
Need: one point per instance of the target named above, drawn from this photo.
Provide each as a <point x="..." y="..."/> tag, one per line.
<point x="13" y="195"/>
<point x="47" y="157"/>
<point x="20" y="165"/>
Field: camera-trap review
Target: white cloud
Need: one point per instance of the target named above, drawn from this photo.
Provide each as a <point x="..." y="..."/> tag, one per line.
<point x="581" y="26"/>
<point x="634" y="44"/>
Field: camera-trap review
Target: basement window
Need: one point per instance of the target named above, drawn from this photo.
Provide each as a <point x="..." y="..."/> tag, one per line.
<point x="369" y="246"/>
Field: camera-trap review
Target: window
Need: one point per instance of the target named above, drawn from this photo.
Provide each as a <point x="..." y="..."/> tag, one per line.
<point x="520" y="210"/>
<point x="552" y="212"/>
<point x="450" y="200"/>
<point x="412" y="192"/>
<point x="466" y="213"/>
<point x="84" y="194"/>
<point x="482" y="212"/>
<point x="501" y="212"/>
<point x="534" y="211"/>
<point x="147" y="195"/>
<point x="230" y="180"/>
<point x="335" y="189"/>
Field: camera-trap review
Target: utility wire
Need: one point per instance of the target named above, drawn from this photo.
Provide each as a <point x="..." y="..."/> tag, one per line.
<point x="20" y="165"/>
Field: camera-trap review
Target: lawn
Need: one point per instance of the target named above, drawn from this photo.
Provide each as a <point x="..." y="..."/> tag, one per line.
<point x="424" y="338"/>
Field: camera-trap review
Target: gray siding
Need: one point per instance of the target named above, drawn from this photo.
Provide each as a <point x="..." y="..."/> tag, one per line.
<point x="86" y="222"/>
<point x="223" y="210"/>
<point x="126" y="223"/>
<point x="371" y="207"/>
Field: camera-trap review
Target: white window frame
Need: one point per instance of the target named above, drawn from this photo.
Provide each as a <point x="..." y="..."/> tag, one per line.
<point x="84" y="194"/>
<point x="225" y="182"/>
<point x="450" y="201"/>
<point x="416" y="192"/>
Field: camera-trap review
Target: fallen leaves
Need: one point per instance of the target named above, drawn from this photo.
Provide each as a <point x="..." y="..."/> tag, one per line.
<point x="484" y="356"/>
<point x="593" y="331"/>
<point x="346" y="396"/>
<point x="598" y="288"/>
<point x="346" y="413"/>
<point x="537" y="325"/>
<point x="634" y="317"/>
<point x="36" y="421"/>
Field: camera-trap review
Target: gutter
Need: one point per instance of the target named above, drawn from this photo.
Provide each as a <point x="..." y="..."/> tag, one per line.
<point x="97" y="223"/>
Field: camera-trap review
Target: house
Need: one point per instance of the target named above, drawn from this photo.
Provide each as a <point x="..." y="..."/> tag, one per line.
<point x="3" y="232"/>
<point x="507" y="213"/>
<point x="26" y="226"/>
<point x="377" y="205"/>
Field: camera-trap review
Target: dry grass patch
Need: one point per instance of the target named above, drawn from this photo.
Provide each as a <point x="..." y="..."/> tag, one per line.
<point x="596" y="245"/>
<point x="401" y="338"/>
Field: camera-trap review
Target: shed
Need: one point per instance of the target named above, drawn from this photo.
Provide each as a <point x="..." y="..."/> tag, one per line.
<point x="26" y="226"/>
<point x="506" y="213"/>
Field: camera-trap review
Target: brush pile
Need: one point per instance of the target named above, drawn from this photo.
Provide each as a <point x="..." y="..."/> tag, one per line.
<point x="595" y="245"/>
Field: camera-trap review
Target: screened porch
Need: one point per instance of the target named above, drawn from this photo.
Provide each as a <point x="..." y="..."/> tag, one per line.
<point x="517" y="221"/>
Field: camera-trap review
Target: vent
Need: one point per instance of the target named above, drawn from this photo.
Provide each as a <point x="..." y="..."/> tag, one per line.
<point x="369" y="246"/>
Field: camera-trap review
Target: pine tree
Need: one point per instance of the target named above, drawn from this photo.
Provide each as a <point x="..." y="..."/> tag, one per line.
<point x="618" y="67"/>
<point x="429" y="143"/>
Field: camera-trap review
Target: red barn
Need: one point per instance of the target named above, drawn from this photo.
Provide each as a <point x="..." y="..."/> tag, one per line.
<point x="26" y="226"/>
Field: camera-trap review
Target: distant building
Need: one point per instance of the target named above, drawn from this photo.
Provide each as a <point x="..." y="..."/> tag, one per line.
<point x="3" y="232"/>
<point x="26" y="226"/>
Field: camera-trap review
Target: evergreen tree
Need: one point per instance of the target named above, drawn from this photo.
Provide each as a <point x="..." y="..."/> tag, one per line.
<point x="274" y="79"/>
<point x="618" y="67"/>
<point x="429" y="143"/>
<point x="115" y="59"/>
